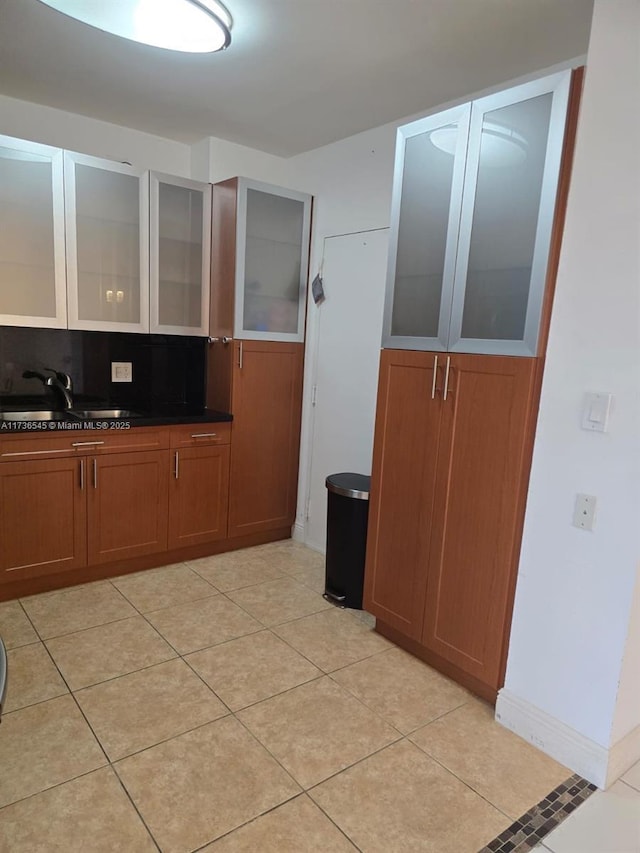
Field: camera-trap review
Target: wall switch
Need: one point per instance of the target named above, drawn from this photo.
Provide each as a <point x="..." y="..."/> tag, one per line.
<point x="595" y="415"/>
<point x="584" y="514"/>
<point x="121" y="371"/>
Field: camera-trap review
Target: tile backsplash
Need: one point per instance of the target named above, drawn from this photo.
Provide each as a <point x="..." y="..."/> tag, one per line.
<point x="168" y="370"/>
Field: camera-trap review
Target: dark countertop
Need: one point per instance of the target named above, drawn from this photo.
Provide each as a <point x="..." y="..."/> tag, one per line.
<point x="158" y="416"/>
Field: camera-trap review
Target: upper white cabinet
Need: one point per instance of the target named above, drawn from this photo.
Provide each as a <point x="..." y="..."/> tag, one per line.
<point x="107" y="231"/>
<point x="272" y="262"/>
<point x="32" y="251"/>
<point x="472" y="214"/>
<point x="180" y="234"/>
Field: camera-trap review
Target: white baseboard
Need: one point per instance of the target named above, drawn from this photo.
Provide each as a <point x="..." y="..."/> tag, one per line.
<point x="298" y="532"/>
<point x="623" y="755"/>
<point x="553" y="737"/>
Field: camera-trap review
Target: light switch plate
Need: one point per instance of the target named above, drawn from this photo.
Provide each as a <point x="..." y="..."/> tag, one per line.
<point x="121" y="371"/>
<point x="595" y="415"/>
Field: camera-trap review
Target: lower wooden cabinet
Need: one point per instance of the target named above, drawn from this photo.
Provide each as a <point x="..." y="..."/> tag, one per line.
<point x="450" y="469"/>
<point x="199" y="495"/>
<point x="101" y="500"/>
<point x="43" y="517"/>
<point x="266" y="405"/>
<point x="128" y="504"/>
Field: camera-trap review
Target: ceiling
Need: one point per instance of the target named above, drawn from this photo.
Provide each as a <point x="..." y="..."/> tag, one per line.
<point x="298" y="74"/>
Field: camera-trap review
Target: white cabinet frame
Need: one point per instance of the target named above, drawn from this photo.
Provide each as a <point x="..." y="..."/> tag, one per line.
<point x="470" y="119"/>
<point x="461" y="117"/>
<point x="245" y="184"/>
<point x="155" y="179"/>
<point x="59" y="321"/>
<point x="70" y="161"/>
<point x="558" y="86"/>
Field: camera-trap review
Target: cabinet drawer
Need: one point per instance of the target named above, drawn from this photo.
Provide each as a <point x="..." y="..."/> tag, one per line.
<point x="196" y="435"/>
<point x="81" y="442"/>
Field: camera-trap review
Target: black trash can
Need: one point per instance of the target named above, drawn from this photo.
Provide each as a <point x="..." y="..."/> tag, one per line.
<point x="347" y="516"/>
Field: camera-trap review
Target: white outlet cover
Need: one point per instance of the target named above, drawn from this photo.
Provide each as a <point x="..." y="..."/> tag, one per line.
<point x="584" y="513"/>
<point x="121" y="371"/>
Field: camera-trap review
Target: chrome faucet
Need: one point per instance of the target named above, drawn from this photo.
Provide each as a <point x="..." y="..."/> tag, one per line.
<point x="60" y="382"/>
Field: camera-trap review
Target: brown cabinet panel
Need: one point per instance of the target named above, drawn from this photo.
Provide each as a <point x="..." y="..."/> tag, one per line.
<point x="128" y="496"/>
<point x="405" y="452"/>
<point x="482" y="468"/>
<point x="266" y="405"/>
<point x="42" y="518"/>
<point x="199" y="495"/>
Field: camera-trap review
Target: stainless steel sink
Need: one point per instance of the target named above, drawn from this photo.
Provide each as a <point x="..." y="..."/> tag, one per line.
<point x="98" y="414"/>
<point x="32" y="416"/>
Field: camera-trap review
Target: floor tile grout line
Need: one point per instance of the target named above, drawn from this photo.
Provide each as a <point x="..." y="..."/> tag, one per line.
<point x="337" y="826"/>
<point x="57" y="668"/>
<point x="441" y="716"/>
<point x="298" y="796"/>
<point x="208" y="686"/>
<point x="52" y="787"/>
<point x="274" y="757"/>
<point x="134" y="806"/>
<point x="30" y="620"/>
<point x="465" y="783"/>
<point x="90" y="627"/>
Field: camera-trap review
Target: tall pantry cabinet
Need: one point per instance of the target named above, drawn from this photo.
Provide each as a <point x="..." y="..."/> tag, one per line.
<point x="260" y="256"/>
<point x="478" y="205"/>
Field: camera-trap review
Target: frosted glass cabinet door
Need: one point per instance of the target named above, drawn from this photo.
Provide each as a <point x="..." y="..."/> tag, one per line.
<point x="180" y="238"/>
<point x="107" y="220"/>
<point x="32" y="252"/>
<point x="513" y="162"/>
<point x="272" y="262"/>
<point x="427" y="194"/>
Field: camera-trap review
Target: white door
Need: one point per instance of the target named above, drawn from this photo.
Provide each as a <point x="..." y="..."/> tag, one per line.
<point x="346" y="380"/>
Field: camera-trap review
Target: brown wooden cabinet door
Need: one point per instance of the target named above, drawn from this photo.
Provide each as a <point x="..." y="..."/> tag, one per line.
<point x="42" y="517"/>
<point x="128" y="501"/>
<point x="266" y="406"/>
<point x="407" y="437"/>
<point x="199" y="495"/>
<point x="483" y="462"/>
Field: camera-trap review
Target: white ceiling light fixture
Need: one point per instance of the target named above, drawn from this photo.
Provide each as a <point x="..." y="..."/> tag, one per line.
<point x="500" y="146"/>
<point x="190" y="26"/>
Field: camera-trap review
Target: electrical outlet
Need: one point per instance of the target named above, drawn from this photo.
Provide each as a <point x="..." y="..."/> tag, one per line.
<point x="584" y="514"/>
<point x="121" y="371"/>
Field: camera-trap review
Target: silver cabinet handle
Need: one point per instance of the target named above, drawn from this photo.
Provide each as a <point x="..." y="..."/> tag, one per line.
<point x="204" y="435"/>
<point x="446" y="378"/>
<point x="226" y="339"/>
<point x="435" y="377"/>
<point x="95" y="474"/>
<point x="176" y="465"/>
<point x="82" y="475"/>
<point x="240" y="356"/>
<point x="86" y="443"/>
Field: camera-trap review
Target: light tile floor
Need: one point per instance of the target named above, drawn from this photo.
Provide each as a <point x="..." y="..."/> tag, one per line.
<point x="223" y="705"/>
<point x="608" y="822"/>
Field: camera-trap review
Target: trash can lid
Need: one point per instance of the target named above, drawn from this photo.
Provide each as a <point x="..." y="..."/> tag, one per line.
<point x="350" y="485"/>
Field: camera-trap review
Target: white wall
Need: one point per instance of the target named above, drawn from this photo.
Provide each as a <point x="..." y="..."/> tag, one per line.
<point x="89" y="136"/>
<point x="627" y="714"/>
<point x="572" y="609"/>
